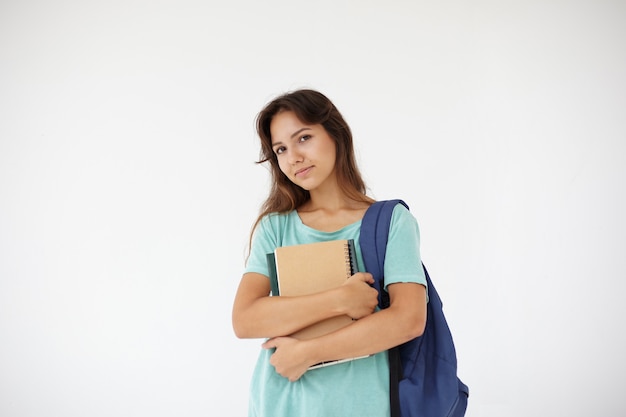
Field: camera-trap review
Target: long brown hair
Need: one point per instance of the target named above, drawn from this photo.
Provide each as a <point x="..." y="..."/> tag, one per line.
<point x="311" y="107"/>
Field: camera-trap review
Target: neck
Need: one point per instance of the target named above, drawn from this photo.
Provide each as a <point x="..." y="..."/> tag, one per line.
<point x="330" y="200"/>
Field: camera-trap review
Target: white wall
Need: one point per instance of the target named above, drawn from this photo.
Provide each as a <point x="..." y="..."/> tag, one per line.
<point x="128" y="186"/>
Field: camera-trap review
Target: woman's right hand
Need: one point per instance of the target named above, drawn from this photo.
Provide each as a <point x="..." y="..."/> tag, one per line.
<point x="359" y="297"/>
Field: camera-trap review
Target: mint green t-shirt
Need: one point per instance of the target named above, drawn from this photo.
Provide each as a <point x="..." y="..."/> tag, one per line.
<point x="356" y="388"/>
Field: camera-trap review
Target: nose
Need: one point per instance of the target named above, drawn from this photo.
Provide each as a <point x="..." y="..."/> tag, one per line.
<point x="295" y="156"/>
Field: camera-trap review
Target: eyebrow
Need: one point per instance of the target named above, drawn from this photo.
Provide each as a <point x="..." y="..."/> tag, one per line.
<point x="293" y="135"/>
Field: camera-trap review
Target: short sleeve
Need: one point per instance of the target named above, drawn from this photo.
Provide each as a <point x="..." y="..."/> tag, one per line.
<point x="403" y="262"/>
<point x="264" y="241"/>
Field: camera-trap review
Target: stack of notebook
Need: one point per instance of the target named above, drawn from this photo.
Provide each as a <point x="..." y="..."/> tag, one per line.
<point x="310" y="268"/>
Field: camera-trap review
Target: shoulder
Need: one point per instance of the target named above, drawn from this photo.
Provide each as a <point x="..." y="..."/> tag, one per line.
<point x="403" y="221"/>
<point x="267" y="235"/>
<point x="397" y="206"/>
<point x="402" y="213"/>
<point x="275" y="218"/>
<point x="274" y="224"/>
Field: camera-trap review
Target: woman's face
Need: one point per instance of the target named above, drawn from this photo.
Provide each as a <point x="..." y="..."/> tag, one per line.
<point x="306" y="153"/>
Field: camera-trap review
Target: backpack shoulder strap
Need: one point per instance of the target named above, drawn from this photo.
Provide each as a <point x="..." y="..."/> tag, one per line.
<point x="373" y="242"/>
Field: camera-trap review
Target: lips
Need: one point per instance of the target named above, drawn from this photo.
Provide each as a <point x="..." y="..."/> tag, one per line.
<point x="302" y="172"/>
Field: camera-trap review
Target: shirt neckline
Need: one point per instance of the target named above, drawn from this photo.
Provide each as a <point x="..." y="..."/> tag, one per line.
<point x="334" y="232"/>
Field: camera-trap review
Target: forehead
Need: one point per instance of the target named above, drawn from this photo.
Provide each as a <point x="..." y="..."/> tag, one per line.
<point x="284" y="124"/>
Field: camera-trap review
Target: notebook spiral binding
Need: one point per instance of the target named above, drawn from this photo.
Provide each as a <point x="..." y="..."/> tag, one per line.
<point x="350" y="259"/>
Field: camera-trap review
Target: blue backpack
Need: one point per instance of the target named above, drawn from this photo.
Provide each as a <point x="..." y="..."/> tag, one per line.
<point x="423" y="371"/>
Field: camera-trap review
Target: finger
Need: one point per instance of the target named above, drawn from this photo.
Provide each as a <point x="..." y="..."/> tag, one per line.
<point x="367" y="277"/>
<point x="269" y="344"/>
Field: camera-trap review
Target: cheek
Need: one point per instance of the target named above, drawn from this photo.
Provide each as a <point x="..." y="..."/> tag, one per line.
<point x="331" y="152"/>
<point x="282" y="165"/>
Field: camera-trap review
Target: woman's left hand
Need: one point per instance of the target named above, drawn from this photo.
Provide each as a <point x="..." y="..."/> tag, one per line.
<point x="289" y="358"/>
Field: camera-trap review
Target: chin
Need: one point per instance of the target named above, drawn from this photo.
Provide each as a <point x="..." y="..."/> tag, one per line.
<point x="306" y="187"/>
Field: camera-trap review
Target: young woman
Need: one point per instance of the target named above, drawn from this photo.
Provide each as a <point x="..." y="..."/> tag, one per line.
<point x="318" y="194"/>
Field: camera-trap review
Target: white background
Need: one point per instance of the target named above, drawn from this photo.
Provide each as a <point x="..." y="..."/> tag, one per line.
<point x="128" y="187"/>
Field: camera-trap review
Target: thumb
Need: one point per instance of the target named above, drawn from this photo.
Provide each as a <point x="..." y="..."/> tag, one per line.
<point x="368" y="278"/>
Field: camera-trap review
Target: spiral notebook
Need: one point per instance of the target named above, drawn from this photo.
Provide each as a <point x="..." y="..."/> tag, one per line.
<point x="313" y="267"/>
<point x="309" y="268"/>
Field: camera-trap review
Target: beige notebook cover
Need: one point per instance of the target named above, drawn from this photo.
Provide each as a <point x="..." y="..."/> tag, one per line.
<point x="315" y="267"/>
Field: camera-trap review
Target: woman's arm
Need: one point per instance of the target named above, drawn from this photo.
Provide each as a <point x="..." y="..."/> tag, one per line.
<point x="255" y="313"/>
<point x="402" y="321"/>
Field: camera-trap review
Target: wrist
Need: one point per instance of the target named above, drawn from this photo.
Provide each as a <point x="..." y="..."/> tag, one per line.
<point x="312" y="352"/>
<point x="339" y="301"/>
